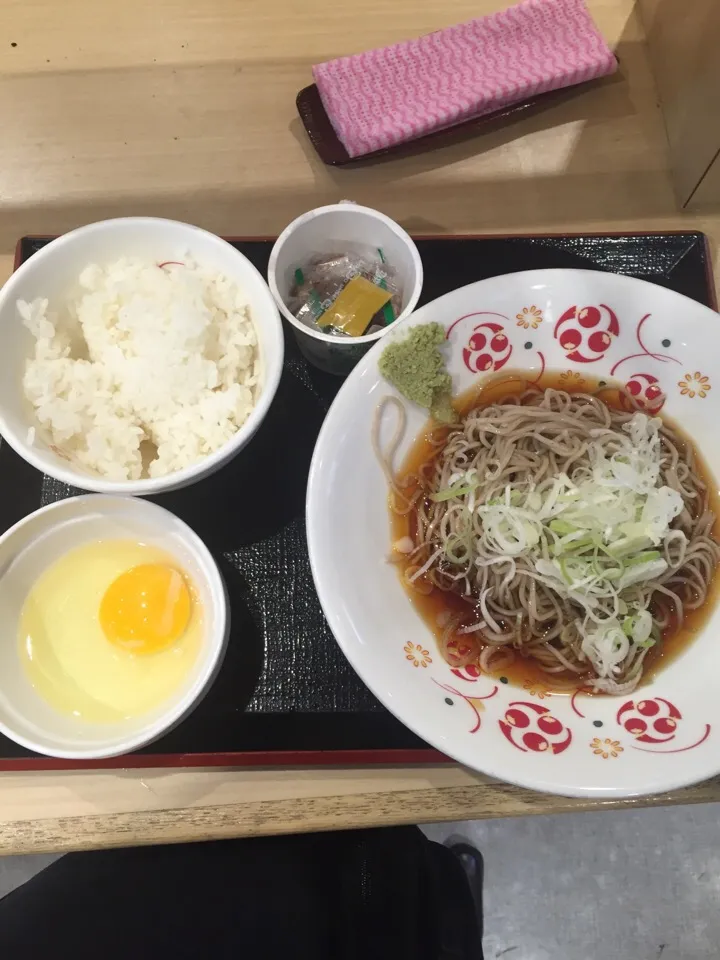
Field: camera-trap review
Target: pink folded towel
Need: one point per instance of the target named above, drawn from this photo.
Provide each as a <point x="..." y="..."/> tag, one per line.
<point x="397" y="93"/>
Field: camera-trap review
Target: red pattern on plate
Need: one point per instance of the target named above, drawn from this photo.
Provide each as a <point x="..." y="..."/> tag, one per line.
<point x="586" y="333"/>
<point x="573" y="706"/>
<point x="660" y="357"/>
<point x="703" y="737"/>
<point x="471" y="672"/>
<point x="488" y="348"/>
<point x="458" y="649"/>
<point x="656" y="721"/>
<point x="538" y="378"/>
<point x="650" y="721"/>
<point x="474" y="701"/>
<point x="529" y="726"/>
<point x="646" y="391"/>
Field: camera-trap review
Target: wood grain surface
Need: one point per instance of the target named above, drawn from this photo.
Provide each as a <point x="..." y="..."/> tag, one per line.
<point x="186" y="109"/>
<point x="683" y="54"/>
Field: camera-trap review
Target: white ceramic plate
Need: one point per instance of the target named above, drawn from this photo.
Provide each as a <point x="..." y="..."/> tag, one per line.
<point x="580" y="323"/>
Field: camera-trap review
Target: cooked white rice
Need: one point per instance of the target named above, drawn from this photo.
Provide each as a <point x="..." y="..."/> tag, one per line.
<point x="150" y="369"/>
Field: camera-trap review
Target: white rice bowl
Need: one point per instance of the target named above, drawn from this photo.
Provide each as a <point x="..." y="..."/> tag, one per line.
<point x="148" y="370"/>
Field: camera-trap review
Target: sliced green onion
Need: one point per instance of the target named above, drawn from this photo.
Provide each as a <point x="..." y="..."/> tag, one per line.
<point x="458" y="490"/>
<point x="562" y="527"/>
<point x="574" y="548"/>
<point x="645" y="557"/>
<point x="628" y="545"/>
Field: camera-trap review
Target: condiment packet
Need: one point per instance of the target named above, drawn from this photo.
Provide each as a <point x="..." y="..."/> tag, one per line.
<point x="354" y="307"/>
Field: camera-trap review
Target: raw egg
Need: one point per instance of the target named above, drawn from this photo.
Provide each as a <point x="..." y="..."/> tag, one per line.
<point x="110" y="630"/>
<point x="146" y="609"/>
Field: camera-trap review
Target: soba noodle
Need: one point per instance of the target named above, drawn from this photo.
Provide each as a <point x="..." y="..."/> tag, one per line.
<point x="501" y="453"/>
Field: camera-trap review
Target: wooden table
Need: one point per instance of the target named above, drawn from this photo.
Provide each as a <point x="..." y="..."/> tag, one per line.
<point x="185" y="109"/>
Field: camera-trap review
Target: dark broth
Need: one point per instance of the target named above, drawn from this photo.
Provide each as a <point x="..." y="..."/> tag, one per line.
<point x="440" y="603"/>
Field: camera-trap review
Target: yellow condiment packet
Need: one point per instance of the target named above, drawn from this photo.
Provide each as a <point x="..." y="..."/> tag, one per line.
<point x="355" y="307"/>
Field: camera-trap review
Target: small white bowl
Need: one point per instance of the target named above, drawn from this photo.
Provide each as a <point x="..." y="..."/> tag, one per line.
<point x="53" y="273"/>
<point x="36" y="542"/>
<point x="323" y="231"/>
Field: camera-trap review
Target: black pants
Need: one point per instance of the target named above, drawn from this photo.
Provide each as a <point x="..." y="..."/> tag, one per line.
<point x="360" y="895"/>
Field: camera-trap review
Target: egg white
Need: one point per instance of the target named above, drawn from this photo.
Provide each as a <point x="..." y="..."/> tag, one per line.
<point x="65" y="653"/>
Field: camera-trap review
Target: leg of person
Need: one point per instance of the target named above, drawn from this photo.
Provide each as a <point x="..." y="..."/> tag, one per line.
<point x="397" y="895"/>
<point x="345" y="896"/>
<point x="213" y="900"/>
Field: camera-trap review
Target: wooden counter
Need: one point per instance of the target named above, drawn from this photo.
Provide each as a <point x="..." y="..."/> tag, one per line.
<point x="186" y="109"/>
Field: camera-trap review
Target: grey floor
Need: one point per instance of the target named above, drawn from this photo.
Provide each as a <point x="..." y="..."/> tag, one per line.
<point x="618" y="885"/>
<point x="636" y="885"/>
<point x="16" y="870"/>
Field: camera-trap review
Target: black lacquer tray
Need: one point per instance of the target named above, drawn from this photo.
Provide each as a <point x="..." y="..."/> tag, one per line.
<point x="285" y="693"/>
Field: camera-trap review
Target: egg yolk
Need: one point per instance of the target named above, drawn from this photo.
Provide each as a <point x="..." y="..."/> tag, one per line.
<point x="146" y="609"/>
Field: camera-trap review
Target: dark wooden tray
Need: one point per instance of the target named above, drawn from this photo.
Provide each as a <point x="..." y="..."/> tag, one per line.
<point x="332" y="152"/>
<point x="285" y="693"/>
